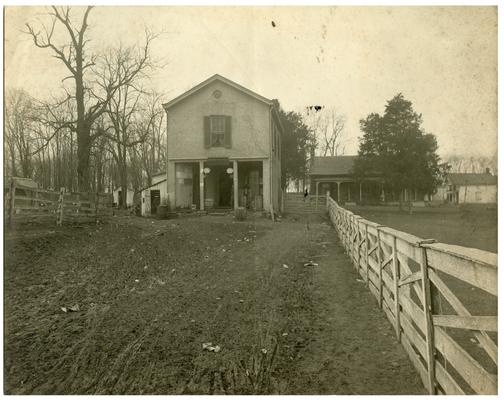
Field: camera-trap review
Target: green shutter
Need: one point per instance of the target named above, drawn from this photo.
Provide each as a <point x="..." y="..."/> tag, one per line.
<point x="227" y="133"/>
<point x="206" y="132"/>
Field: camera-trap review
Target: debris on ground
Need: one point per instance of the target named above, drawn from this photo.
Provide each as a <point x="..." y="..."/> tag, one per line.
<point x="264" y="351"/>
<point x="210" y="347"/>
<point x="310" y="264"/>
<point x="285" y="334"/>
<point x="285" y="266"/>
<point x="73" y="308"/>
<point x="360" y="280"/>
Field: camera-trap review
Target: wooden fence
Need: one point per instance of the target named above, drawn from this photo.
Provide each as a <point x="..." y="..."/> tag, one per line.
<point x="441" y="300"/>
<point x="28" y="204"/>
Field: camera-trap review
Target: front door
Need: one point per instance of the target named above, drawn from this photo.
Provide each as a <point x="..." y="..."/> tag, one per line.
<point x="225" y="188"/>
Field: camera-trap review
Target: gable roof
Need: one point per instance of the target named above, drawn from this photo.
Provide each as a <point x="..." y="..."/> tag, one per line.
<point x="471" y="179"/>
<point x="210" y="80"/>
<point x="334" y="165"/>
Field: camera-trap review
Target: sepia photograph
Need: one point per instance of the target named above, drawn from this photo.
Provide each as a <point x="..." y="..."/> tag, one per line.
<point x="250" y="200"/>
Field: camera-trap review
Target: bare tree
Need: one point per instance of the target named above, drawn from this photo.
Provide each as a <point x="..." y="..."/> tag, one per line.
<point x="327" y="127"/>
<point x="91" y="95"/>
<point x="20" y="116"/>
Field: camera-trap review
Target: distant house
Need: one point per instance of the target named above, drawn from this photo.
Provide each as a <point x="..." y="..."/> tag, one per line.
<point x="223" y="148"/>
<point x="334" y="175"/>
<point x="460" y="188"/>
<point x="154" y="195"/>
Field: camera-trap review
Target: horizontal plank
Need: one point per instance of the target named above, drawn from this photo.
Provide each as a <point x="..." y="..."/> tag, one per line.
<point x="485" y="340"/>
<point x="446" y="381"/>
<point x="477" y="273"/>
<point x="415" y="359"/>
<point x="373" y="264"/>
<point x="414" y="311"/>
<point x="477" y="323"/>
<point x="33" y="216"/>
<point x="412" y="334"/>
<point x="389" y="314"/>
<point x="473" y="373"/>
<point x="28" y="208"/>
<point x="387" y="299"/>
<point x="374" y="291"/>
<point x="388" y="281"/>
<point x="406" y="237"/>
<point x="38" y="199"/>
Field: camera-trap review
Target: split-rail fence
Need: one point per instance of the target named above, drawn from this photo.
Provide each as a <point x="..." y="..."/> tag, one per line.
<point x="28" y="204"/>
<point x="440" y="298"/>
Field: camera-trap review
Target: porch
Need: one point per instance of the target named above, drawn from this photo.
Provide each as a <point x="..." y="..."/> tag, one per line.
<point x="220" y="184"/>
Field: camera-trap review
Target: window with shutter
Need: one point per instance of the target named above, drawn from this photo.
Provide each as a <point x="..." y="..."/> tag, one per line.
<point x="218" y="131"/>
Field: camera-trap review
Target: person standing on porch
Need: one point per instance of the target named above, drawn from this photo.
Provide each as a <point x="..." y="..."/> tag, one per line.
<point x="305" y="194"/>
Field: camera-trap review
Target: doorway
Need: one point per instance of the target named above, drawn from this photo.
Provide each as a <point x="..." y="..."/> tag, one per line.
<point x="155" y="199"/>
<point x="219" y="185"/>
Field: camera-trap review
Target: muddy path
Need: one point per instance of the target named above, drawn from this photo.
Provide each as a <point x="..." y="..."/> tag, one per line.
<point x="150" y="293"/>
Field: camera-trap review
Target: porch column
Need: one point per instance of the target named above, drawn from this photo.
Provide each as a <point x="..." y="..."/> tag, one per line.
<point x="339" y="196"/>
<point x="316" y="195"/>
<point x="360" y="192"/>
<point x="348" y="191"/>
<point x="235" y="184"/>
<point x="201" y="186"/>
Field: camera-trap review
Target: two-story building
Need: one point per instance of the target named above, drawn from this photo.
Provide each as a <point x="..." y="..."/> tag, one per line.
<point x="223" y="149"/>
<point x="459" y="188"/>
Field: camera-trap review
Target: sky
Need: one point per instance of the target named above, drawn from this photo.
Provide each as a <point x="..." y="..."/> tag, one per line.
<point x="351" y="59"/>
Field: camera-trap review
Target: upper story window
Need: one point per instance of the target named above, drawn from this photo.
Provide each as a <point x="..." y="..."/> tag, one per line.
<point x="217" y="131"/>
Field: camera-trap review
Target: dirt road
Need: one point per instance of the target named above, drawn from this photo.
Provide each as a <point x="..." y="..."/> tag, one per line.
<point x="150" y="293"/>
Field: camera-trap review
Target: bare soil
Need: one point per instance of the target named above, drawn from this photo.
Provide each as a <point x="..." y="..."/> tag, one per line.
<point x="150" y="293"/>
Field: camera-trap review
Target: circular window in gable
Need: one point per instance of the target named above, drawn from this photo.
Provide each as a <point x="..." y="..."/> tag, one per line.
<point x="217" y="94"/>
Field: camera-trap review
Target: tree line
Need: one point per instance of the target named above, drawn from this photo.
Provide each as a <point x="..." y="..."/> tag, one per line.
<point x="106" y="130"/>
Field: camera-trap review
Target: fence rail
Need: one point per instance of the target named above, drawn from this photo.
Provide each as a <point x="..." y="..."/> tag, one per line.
<point x="26" y="204"/>
<point x="433" y="294"/>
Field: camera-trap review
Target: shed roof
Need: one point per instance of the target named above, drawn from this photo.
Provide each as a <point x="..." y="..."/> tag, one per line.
<point x="472" y="179"/>
<point x="334" y="165"/>
<point x="154" y="184"/>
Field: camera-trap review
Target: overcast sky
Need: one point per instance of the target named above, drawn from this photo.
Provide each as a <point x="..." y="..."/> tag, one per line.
<point x="443" y="59"/>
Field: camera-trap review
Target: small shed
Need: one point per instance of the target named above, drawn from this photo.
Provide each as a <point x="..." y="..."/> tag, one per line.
<point x="118" y="199"/>
<point x="154" y="195"/>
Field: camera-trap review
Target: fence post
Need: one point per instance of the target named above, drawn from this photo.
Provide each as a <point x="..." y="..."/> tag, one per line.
<point x="429" y="326"/>
<point x="367" y="256"/>
<point x="59" y="220"/>
<point x="12" y="196"/>
<point x="396" y="277"/>
<point x="380" y="268"/>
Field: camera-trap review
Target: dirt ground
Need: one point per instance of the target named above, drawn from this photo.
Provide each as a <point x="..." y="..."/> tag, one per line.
<point x="150" y="293"/>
